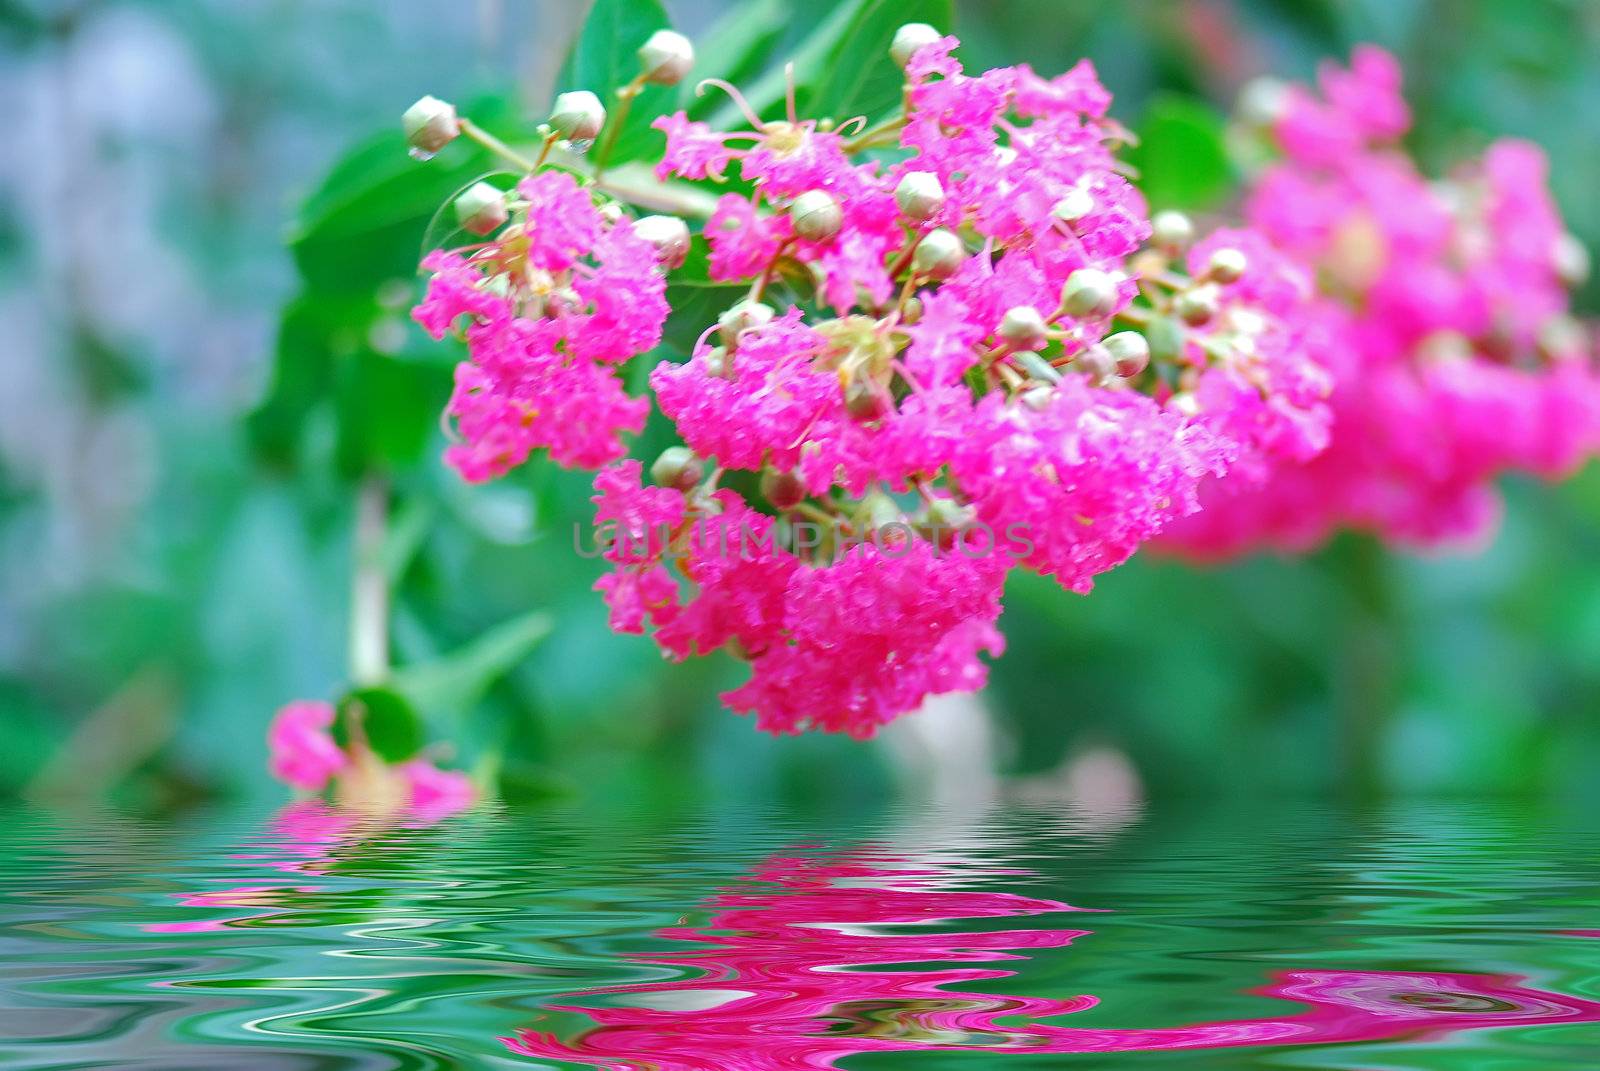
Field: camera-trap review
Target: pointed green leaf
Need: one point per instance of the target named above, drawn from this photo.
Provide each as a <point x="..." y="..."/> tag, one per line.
<point x="450" y="686"/>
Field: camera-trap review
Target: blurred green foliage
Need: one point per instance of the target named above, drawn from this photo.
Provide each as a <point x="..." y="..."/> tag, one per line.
<point x="221" y="591"/>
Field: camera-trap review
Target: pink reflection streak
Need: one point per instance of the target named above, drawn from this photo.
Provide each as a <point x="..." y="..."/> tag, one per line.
<point x="794" y="978"/>
<point x="301" y="841"/>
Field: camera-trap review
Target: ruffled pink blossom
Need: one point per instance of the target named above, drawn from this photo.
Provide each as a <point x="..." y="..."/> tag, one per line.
<point x="303" y="754"/>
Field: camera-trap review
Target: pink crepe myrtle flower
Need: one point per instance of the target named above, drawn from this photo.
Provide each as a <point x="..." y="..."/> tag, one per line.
<point x="550" y="308"/>
<point x="1083" y="481"/>
<point x="433" y="793"/>
<point x="303" y="754"/>
<point x="1444" y="308"/>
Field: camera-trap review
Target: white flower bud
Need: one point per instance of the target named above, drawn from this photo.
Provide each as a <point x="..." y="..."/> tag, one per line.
<point x="677" y="467"/>
<point x="1262" y="101"/>
<point x="670" y="236"/>
<point x="1097" y="363"/>
<point x="1074" y="206"/>
<point x="430" y="124"/>
<point x="1198" y="305"/>
<point x="1171" y="231"/>
<point x="1039" y="398"/>
<point x="1226" y="265"/>
<point x="578" y="115"/>
<point x="1130" y="350"/>
<point x="909" y="38"/>
<point x="741" y="317"/>
<point x="1089" y="293"/>
<point x="939" y="255"/>
<point x="816" y="216"/>
<point x="919" y="195"/>
<point x="481" y="209"/>
<point x="1023" y="328"/>
<point x="1571" y="261"/>
<point x="1561" y="338"/>
<point x="666" y="58"/>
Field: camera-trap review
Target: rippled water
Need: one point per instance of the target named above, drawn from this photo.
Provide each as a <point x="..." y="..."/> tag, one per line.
<point x="1421" y="937"/>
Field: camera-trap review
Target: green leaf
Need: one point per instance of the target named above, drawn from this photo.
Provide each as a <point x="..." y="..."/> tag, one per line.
<point x="842" y="68"/>
<point x="387" y="409"/>
<point x="365" y="223"/>
<point x="1181" y="156"/>
<point x="734" y="49"/>
<point x="605" y="58"/>
<point x="388" y="721"/>
<point x="859" y="77"/>
<point x="450" y="686"/>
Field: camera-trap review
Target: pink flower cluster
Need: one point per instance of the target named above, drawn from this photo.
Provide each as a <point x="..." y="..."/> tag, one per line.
<point x="1445" y="308"/>
<point x="967" y="359"/>
<point x="304" y="755"/>
<point x="962" y="344"/>
<point x="551" y="308"/>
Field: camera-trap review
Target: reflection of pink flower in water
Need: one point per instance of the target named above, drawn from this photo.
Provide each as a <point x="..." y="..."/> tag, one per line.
<point x="781" y="985"/>
<point x="304" y="839"/>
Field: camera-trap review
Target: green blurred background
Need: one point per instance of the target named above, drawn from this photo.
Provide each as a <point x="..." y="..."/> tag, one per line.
<point x="206" y="354"/>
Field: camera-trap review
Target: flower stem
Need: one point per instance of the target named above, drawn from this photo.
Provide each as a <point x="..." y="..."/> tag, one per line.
<point x="619" y="119"/>
<point x="369" y="586"/>
<point x="498" y="147"/>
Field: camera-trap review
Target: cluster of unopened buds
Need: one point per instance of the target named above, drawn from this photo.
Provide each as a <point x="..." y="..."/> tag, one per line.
<point x="956" y="343"/>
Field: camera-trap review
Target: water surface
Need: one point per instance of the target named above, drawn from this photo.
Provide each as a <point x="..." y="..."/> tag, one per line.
<point x="1424" y="936"/>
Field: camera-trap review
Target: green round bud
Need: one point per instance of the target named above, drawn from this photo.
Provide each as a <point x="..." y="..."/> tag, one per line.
<point x="717" y="363"/>
<point x="1089" y="293"/>
<point x="1171" y="231"/>
<point x="1227" y="265"/>
<point x="741" y="317"/>
<point x="864" y="402"/>
<point x="1560" y="338"/>
<point x="1074" y="206"/>
<point x="430" y="124"/>
<point x="670" y="236"/>
<point x="481" y="209"/>
<point x="1571" y="261"/>
<point x="909" y="39"/>
<point x="919" y="195"/>
<point x="816" y="216"/>
<point x="913" y="311"/>
<point x="1197" y="305"/>
<point x="1130" y="350"/>
<point x="678" y="468"/>
<point x="783" y="489"/>
<point x="578" y="115"/>
<point x="944" y="521"/>
<point x="939" y="255"/>
<point x="1024" y="329"/>
<point x="665" y="58"/>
